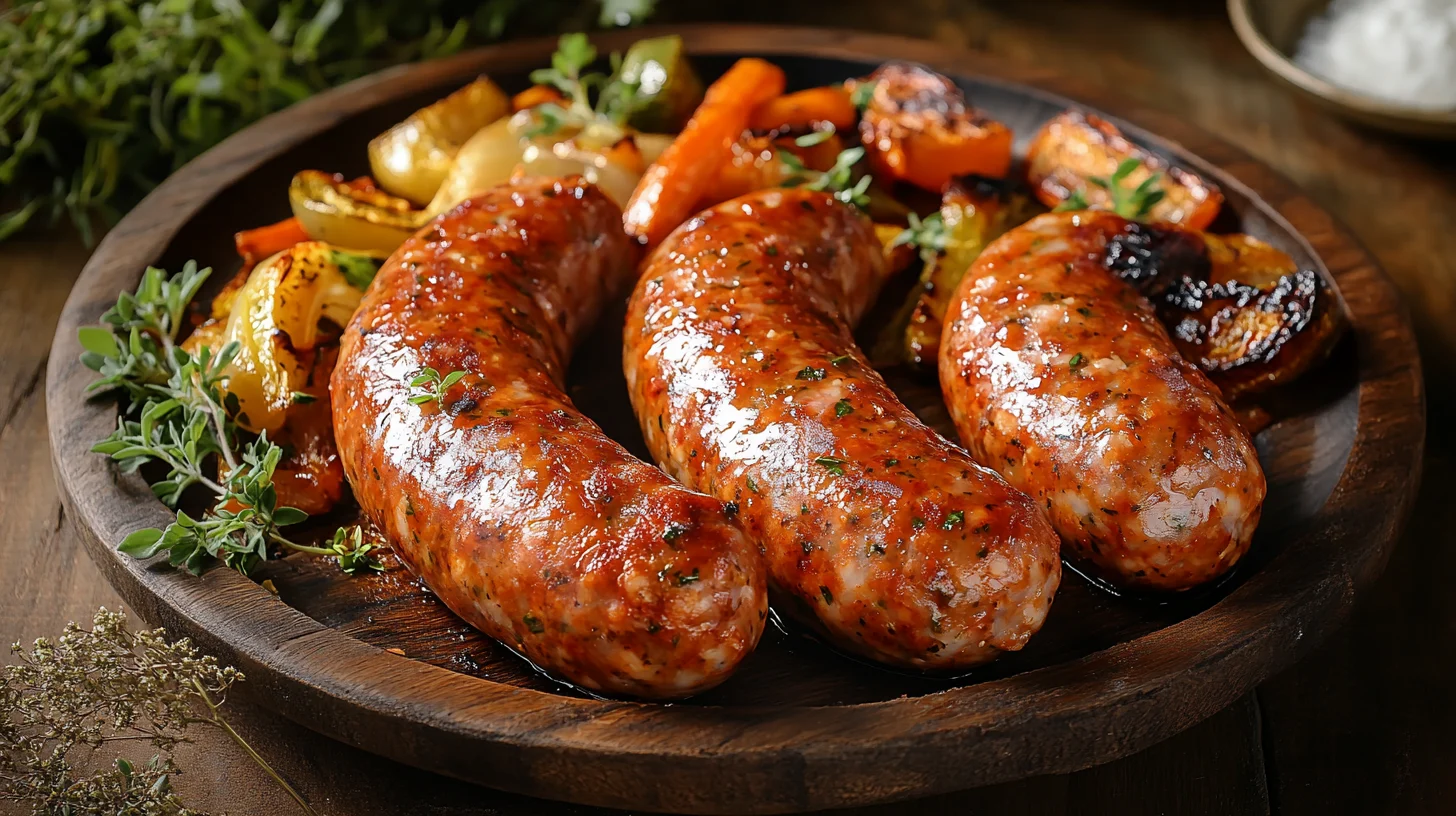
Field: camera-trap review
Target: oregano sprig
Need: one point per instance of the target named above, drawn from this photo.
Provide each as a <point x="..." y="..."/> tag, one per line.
<point x="180" y="418"/>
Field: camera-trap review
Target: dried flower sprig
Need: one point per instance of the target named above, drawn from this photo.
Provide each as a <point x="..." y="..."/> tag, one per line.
<point x="66" y="699"/>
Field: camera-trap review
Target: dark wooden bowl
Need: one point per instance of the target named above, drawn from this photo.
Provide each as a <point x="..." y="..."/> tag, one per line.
<point x="799" y="727"/>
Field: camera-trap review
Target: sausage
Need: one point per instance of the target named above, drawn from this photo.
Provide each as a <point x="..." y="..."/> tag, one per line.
<point x="748" y="386"/>
<point x="520" y="514"/>
<point x="1059" y="375"/>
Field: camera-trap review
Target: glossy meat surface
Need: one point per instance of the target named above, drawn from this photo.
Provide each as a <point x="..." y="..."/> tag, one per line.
<point x="749" y="386"/>
<point x="1060" y="376"/>
<point x="516" y="510"/>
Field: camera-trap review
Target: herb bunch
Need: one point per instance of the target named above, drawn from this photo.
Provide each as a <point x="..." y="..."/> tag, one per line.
<point x="89" y="689"/>
<point x="181" y="420"/>
<point x="1134" y="203"/>
<point x="104" y="98"/>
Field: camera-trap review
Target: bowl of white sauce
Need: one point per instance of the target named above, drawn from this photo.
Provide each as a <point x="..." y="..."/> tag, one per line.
<point x="1390" y="64"/>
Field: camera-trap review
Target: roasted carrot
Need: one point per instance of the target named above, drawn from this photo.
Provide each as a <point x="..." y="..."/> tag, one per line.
<point x="757" y="162"/>
<point x="675" y="182"/>
<point x="805" y="109"/>
<point x="919" y="129"/>
<point x="533" y="96"/>
<point x="1074" y="148"/>
<point x="256" y="244"/>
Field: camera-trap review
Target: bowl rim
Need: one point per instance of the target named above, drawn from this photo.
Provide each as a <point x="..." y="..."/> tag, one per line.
<point x="1074" y="714"/>
<point x="1274" y="59"/>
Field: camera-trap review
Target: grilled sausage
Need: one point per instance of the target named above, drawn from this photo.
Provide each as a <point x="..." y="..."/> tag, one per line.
<point x="1060" y="377"/>
<point x="516" y="510"/>
<point x="749" y="386"/>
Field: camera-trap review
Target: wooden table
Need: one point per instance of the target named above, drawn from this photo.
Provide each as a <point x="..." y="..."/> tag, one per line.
<point x="1360" y="727"/>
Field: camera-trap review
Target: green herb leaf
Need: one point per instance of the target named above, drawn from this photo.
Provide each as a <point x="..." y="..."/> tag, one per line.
<point x="831" y="464"/>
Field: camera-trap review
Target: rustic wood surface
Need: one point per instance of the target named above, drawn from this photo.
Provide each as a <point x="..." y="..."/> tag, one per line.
<point x="1356" y="728"/>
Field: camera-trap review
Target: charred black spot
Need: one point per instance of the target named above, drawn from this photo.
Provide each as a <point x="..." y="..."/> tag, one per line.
<point x="1154" y="259"/>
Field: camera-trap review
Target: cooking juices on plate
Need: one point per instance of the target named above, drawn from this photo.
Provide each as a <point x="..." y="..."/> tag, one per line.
<point x="1086" y="358"/>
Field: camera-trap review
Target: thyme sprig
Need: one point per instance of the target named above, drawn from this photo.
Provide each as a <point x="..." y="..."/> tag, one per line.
<point x="842" y="179"/>
<point x="103" y="686"/>
<point x="1134" y="203"/>
<point x="181" y="419"/>
<point x="616" y="99"/>
<point x="926" y="234"/>
<point x="435" y="387"/>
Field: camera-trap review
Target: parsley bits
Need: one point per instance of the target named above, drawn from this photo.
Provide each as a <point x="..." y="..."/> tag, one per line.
<point x="810" y="373"/>
<point x="917" y="523"/>
<point x="533" y="623"/>
<point x="953" y="519"/>
<point x="688" y="578"/>
<point x="891" y="462"/>
<point x="843" y="408"/>
<point x="839" y="360"/>
<point x="829" y="463"/>
<point x="752" y="485"/>
<point x="828" y="596"/>
<point x="673" y="532"/>
<point x="771" y="251"/>
<point x="1077" y="362"/>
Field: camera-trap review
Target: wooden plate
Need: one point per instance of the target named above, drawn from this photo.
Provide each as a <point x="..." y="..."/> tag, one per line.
<point x="799" y="727"/>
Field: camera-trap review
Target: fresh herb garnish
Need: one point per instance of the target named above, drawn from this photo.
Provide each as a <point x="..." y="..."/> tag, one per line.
<point x="926" y="234"/>
<point x="358" y="270"/>
<point x="1077" y="361"/>
<point x="952" y="519"/>
<point x="435" y="387"/>
<point x="863" y="94"/>
<point x="1134" y="204"/>
<point x="831" y="464"/>
<point x="181" y="419"/>
<point x="592" y="98"/>
<point x="840" y="179"/>
<point x="810" y="373"/>
<point x="843" y="408"/>
<point x="673" y="532"/>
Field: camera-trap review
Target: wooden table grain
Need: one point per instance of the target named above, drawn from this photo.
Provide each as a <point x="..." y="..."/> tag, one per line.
<point x="1360" y="727"/>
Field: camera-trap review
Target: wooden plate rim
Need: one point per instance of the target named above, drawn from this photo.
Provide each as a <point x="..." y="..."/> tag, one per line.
<point x="1068" y="716"/>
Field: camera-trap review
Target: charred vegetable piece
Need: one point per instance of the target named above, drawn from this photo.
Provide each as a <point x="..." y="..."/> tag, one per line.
<point x="310" y="475"/>
<point x="1080" y="158"/>
<point x="919" y="128"/>
<point x="667" y="87"/>
<point x="411" y="159"/>
<point x="285" y="308"/>
<point x="349" y="214"/>
<point x="1239" y="308"/>
<point x="973" y="212"/>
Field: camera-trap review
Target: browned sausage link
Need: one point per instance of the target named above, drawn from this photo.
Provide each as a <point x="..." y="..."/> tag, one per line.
<point x="1059" y="376"/>
<point x="519" y="512"/>
<point x="748" y="385"/>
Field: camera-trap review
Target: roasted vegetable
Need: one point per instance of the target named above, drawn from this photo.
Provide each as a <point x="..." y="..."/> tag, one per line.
<point x="667" y="87"/>
<point x="356" y="215"/>
<point x="918" y="128"/>
<point x="757" y="162"/>
<point x="281" y="311"/>
<point x="1239" y="308"/>
<point x="973" y="212"/>
<point x="310" y="475"/>
<point x="686" y="170"/>
<point x="506" y="148"/>
<point x="256" y="244"/>
<point x="410" y="160"/>
<point x="806" y="110"/>
<point x="1082" y="158"/>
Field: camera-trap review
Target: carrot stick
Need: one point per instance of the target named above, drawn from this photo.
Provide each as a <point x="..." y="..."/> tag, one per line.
<point x="533" y="96"/>
<point x="256" y="244"/>
<point x="806" y="108"/>
<point x="668" y="190"/>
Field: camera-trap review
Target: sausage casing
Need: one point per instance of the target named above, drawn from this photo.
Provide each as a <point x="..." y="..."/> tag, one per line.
<point x="748" y="385"/>
<point x="1060" y="377"/>
<point x="514" y="508"/>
